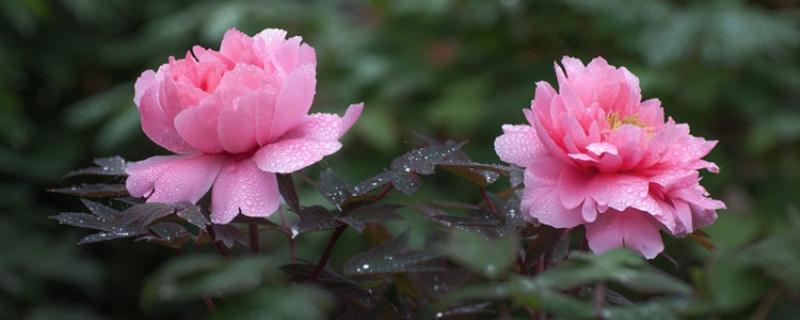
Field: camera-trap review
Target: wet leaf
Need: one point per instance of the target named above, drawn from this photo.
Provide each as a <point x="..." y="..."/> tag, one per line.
<point x="358" y="218"/>
<point x="333" y="188"/>
<point x="193" y="214"/>
<point x="288" y="192"/>
<point x="313" y="218"/>
<point x="111" y="166"/>
<point x="101" y="210"/>
<point x="390" y="257"/>
<point x="423" y="160"/>
<point x="488" y="256"/>
<point x="338" y="285"/>
<point x="168" y="234"/>
<point x="407" y="183"/>
<point x="143" y="214"/>
<point x="264" y="222"/>
<point x="83" y="220"/>
<point x="228" y="235"/>
<point x="105" y="236"/>
<point x="459" y="311"/>
<point x="94" y="190"/>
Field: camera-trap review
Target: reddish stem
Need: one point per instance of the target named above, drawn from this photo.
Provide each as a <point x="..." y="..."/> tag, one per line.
<point x="291" y="237"/>
<point x="220" y="247"/>
<point x="255" y="246"/>
<point x="488" y="201"/>
<point x="327" y="253"/>
<point x="384" y="191"/>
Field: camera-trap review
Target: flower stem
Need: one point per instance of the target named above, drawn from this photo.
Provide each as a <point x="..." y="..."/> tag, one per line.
<point x="488" y="200"/>
<point x="219" y="245"/>
<point x="291" y="237"/>
<point x="384" y="191"/>
<point x="255" y="246"/>
<point x="327" y="253"/>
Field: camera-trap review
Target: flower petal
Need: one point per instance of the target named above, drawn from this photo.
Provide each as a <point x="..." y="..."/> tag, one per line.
<point x="174" y="178"/>
<point x="237" y="125"/>
<point x="294" y="99"/>
<point x="286" y="156"/>
<point x="630" y="228"/>
<point x="519" y="145"/>
<point x="241" y="186"/>
<point x="158" y="126"/>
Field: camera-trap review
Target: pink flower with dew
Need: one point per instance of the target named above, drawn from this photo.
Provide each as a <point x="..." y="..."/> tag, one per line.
<point x="234" y="118"/>
<point x="596" y="155"/>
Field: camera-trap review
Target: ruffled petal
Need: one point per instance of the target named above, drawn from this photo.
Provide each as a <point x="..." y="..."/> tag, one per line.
<point x="174" y="179"/>
<point x="158" y="126"/>
<point x="241" y="186"/>
<point x="519" y="145"/>
<point x="631" y="228"/>
<point x="237" y="126"/>
<point x="294" y="99"/>
<point x="286" y="156"/>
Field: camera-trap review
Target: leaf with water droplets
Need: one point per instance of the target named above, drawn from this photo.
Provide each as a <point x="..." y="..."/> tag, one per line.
<point x="104" y="212"/>
<point x="193" y="214"/>
<point x="228" y="234"/>
<point x="111" y="166"/>
<point x="83" y="220"/>
<point x="358" y="218"/>
<point x="333" y="188"/>
<point x="391" y="257"/>
<point x="462" y="310"/>
<point x="288" y="191"/>
<point x="340" y="286"/>
<point x="407" y="183"/>
<point x="313" y="218"/>
<point x="168" y="234"/>
<point x="105" y="236"/>
<point x="94" y="190"/>
<point x="143" y="214"/>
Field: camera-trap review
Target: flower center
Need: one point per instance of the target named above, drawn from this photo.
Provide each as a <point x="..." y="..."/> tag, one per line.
<point x="616" y="122"/>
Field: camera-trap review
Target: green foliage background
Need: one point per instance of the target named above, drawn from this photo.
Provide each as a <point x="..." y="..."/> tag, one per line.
<point x="455" y="69"/>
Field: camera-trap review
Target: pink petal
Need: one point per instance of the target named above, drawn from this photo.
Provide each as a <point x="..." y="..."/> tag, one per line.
<point x="286" y="156"/>
<point x="144" y="82"/>
<point x="265" y="110"/>
<point x="158" y="126"/>
<point x="234" y="42"/>
<point x="542" y="203"/>
<point x="242" y="76"/>
<point x="237" y="125"/>
<point x="177" y="179"/>
<point x="631" y="228"/>
<point x="294" y="99"/>
<point x="618" y="191"/>
<point x="306" y="55"/>
<point x="241" y="186"/>
<point x="350" y="116"/>
<point x="142" y="175"/>
<point x="519" y="145"/>
<point x="572" y="185"/>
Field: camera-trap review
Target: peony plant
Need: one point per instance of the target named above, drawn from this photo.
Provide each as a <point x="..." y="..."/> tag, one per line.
<point x="238" y="123"/>
<point x="596" y="155"/>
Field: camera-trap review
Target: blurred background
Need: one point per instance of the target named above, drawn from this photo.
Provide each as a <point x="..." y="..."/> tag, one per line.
<point x="450" y="69"/>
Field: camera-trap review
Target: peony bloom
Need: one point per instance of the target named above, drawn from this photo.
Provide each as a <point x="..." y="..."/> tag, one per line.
<point x="596" y="155"/>
<point x="235" y="118"/>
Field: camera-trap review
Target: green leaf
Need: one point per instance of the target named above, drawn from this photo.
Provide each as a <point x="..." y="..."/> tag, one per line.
<point x="488" y="256"/>
<point x="191" y="277"/>
<point x="301" y="302"/>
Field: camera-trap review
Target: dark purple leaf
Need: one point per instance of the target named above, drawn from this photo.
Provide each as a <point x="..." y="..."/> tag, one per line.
<point x="288" y="191"/>
<point x="338" y="285"/>
<point x="111" y="166"/>
<point x="101" y="210"/>
<point x="481" y="178"/>
<point x="334" y="188"/>
<point x="193" y="214"/>
<point x="105" y="236"/>
<point x="359" y="217"/>
<point x="168" y="234"/>
<point x="143" y="214"/>
<point x="407" y="183"/>
<point x="94" y="190"/>
<point x="83" y="220"/>
<point x="423" y="160"/>
<point x="228" y="234"/>
<point x="313" y="218"/>
<point x="390" y="257"/>
<point x="546" y="239"/>
<point x="372" y="183"/>
<point x="260" y="221"/>
<point x="465" y="310"/>
<point x="437" y="284"/>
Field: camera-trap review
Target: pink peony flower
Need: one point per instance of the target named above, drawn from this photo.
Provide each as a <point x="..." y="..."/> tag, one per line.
<point x="596" y="155"/>
<point x="235" y="118"/>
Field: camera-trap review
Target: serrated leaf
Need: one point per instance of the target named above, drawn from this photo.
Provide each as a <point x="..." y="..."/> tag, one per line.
<point x="168" y="234"/>
<point x="106" y="236"/>
<point x="228" y="234"/>
<point x="83" y="220"/>
<point x="390" y="257"/>
<point x="101" y="210"/>
<point x="94" y="190"/>
<point x="193" y="214"/>
<point x="333" y="188"/>
<point x="111" y="166"/>
<point x="407" y="183"/>
<point x="143" y="214"/>
<point x="423" y="160"/>
<point x="313" y="218"/>
<point x="288" y="191"/>
<point x="358" y="218"/>
<point x="338" y="285"/>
